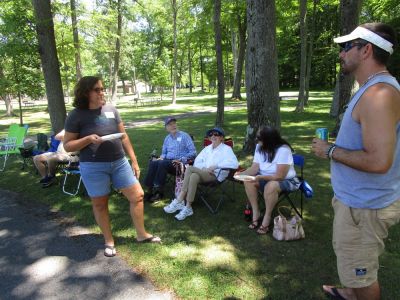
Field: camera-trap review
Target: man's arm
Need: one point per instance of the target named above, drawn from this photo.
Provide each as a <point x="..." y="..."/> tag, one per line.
<point x="378" y="113"/>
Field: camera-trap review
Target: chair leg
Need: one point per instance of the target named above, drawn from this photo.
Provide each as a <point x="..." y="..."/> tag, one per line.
<point x="75" y="191"/>
<point x="221" y="199"/>
<point x="286" y="197"/>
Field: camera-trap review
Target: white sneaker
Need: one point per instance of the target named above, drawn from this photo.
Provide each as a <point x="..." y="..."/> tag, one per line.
<point x="174" y="206"/>
<point x="185" y="212"/>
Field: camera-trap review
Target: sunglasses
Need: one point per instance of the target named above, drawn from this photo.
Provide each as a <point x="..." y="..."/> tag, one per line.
<point x="350" y="45"/>
<point x="214" y="134"/>
<point x="98" y="90"/>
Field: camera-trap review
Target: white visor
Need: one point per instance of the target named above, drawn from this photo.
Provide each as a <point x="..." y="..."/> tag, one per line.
<point x="368" y="35"/>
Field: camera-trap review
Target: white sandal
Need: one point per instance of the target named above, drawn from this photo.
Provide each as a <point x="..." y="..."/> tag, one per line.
<point x="109" y="251"/>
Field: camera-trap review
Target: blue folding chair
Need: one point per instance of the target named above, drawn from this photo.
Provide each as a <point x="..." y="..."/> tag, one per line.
<point x="304" y="190"/>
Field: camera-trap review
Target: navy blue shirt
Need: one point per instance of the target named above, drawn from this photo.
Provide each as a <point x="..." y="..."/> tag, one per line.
<point x="100" y="121"/>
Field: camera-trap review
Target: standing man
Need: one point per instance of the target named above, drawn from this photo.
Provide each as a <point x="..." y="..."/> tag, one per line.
<point x="365" y="162"/>
<point x="177" y="146"/>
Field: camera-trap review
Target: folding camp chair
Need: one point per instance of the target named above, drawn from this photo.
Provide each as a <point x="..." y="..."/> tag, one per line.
<point x="207" y="190"/>
<point x="11" y="144"/>
<point x="70" y="171"/>
<point x="303" y="191"/>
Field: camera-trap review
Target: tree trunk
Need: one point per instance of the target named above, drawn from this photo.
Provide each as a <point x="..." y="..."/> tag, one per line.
<point x="227" y="74"/>
<point x="190" y="68"/>
<point x="303" y="55"/>
<point x="78" y="63"/>
<point x="174" y="14"/>
<point x="5" y="97"/>
<point x="235" y="50"/>
<point x="242" y="51"/>
<point x="117" y="54"/>
<point x="8" y="103"/>
<point x="220" y="64"/>
<point x="349" y="15"/>
<point x="50" y="63"/>
<point x="262" y="88"/>
<point x="310" y="52"/>
<point x="201" y="70"/>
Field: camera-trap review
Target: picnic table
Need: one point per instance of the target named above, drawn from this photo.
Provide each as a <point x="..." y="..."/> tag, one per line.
<point x="28" y="103"/>
<point x="147" y="101"/>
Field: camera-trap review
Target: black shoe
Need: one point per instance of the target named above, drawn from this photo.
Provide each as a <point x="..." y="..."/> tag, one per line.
<point x="147" y="196"/>
<point x="43" y="180"/>
<point x="156" y="197"/>
<point x="49" y="182"/>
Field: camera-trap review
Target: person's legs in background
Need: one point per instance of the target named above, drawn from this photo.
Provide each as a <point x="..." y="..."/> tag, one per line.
<point x="149" y="179"/>
<point x="40" y="162"/>
<point x="156" y="177"/>
<point x="271" y="197"/>
<point x="195" y="176"/>
<point x="44" y="164"/>
<point x="251" y="189"/>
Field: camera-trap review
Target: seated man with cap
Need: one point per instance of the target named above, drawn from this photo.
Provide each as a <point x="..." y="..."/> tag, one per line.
<point x="177" y="146"/>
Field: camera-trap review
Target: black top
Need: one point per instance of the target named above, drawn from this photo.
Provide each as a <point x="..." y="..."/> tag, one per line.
<point x="100" y="121"/>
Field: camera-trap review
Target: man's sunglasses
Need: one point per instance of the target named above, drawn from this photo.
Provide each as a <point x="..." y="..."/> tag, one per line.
<point x="350" y="45"/>
<point x="99" y="90"/>
<point x="214" y="134"/>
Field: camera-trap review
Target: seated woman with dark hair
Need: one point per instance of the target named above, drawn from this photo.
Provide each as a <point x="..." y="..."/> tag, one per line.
<point x="274" y="172"/>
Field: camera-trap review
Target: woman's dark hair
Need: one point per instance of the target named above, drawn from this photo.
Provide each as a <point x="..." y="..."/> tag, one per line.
<point x="82" y="89"/>
<point x="271" y="140"/>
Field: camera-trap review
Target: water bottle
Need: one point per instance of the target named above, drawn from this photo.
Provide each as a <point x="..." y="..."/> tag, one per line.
<point x="153" y="154"/>
<point x="248" y="212"/>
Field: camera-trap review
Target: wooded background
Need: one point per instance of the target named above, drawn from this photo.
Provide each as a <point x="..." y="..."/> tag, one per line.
<point x="261" y="46"/>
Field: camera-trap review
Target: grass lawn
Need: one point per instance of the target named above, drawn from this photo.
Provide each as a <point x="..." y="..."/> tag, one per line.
<point x="217" y="256"/>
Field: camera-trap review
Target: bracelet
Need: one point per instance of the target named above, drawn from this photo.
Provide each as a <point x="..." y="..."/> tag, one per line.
<point x="330" y="150"/>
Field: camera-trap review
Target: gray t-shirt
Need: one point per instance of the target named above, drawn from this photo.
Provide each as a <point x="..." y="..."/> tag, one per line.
<point x="101" y="121"/>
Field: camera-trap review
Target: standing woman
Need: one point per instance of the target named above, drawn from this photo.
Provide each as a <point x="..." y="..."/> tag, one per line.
<point x="274" y="172"/>
<point x="103" y="161"/>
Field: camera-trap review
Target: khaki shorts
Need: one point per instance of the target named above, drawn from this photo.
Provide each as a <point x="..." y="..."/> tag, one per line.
<point x="358" y="241"/>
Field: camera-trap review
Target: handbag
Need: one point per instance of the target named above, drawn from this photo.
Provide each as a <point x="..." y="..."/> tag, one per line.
<point x="180" y="171"/>
<point x="288" y="229"/>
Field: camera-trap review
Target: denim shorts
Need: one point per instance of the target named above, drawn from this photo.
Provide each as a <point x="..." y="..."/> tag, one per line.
<point x="287" y="185"/>
<point x="97" y="176"/>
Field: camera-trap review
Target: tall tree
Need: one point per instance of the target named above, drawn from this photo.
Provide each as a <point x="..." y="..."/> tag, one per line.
<point x="117" y="53"/>
<point x="262" y="88"/>
<point x="50" y="63"/>
<point x="220" y="64"/>
<point x="241" y="24"/>
<point x="310" y="52"/>
<point x="78" y="63"/>
<point x="303" y="55"/>
<point x="349" y="16"/>
<point x="20" y="72"/>
<point x="175" y="50"/>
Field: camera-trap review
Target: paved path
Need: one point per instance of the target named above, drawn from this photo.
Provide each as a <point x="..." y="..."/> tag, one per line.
<point x="45" y="256"/>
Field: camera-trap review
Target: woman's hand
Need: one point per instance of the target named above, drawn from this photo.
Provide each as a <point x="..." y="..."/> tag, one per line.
<point x="136" y="170"/>
<point x="209" y="169"/>
<point x="94" y="139"/>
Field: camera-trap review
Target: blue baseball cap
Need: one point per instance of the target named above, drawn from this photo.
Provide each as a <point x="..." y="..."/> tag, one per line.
<point x="168" y="120"/>
<point x="216" y="129"/>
